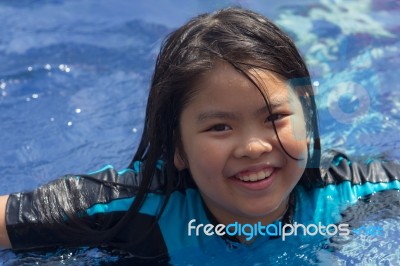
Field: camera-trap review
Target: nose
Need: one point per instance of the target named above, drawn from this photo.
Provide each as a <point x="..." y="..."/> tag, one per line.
<point x="253" y="148"/>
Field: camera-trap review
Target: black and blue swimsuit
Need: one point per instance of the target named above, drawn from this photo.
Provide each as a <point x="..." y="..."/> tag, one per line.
<point x="38" y="219"/>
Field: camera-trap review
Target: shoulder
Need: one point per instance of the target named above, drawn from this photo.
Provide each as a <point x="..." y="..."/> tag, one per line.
<point x="345" y="181"/>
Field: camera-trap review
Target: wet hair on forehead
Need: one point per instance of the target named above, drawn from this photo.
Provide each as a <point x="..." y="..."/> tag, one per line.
<point x="236" y="36"/>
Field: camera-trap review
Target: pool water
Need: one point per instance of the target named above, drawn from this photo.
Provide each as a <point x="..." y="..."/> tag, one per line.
<point x="74" y="78"/>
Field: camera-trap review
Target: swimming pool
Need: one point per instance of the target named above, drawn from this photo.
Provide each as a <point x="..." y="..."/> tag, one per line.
<point x="74" y="79"/>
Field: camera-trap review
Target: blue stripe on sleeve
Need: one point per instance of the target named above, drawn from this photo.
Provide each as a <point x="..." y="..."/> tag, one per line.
<point x="151" y="205"/>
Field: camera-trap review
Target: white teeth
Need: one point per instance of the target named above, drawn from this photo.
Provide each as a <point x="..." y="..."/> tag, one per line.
<point x="260" y="175"/>
<point x="255" y="176"/>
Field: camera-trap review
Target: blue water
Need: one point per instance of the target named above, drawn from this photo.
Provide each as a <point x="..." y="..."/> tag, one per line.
<point x="74" y="78"/>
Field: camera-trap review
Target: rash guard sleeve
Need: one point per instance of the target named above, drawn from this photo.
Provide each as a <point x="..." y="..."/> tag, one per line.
<point x="60" y="213"/>
<point x="345" y="182"/>
<point x="358" y="173"/>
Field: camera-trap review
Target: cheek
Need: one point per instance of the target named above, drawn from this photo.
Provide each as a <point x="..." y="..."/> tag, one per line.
<point x="294" y="136"/>
<point x="298" y="130"/>
<point x="203" y="158"/>
<point x="294" y="140"/>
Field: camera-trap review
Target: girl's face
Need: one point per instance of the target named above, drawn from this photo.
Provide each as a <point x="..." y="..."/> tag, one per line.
<point x="230" y="147"/>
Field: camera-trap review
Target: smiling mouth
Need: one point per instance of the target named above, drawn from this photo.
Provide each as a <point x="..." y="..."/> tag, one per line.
<point x="255" y="176"/>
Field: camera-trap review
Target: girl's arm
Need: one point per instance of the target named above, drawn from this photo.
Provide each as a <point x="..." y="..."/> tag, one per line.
<point x="4" y="240"/>
<point x="72" y="211"/>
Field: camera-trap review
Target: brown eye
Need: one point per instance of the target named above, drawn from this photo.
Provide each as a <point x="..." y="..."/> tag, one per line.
<point x="220" y="127"/>
<point x="275" y="117"/>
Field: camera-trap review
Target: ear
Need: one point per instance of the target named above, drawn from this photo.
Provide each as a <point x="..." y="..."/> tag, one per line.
<point x="178" y="160"/>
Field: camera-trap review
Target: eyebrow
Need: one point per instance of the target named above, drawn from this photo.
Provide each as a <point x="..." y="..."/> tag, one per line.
<point x="215" y="114"/>
<point x="274" y="103"/>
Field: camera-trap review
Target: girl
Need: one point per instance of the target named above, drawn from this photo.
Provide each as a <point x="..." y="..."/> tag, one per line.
<point x="230" y="137"/>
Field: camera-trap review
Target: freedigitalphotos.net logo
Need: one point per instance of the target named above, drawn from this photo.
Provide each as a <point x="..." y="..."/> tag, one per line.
<point x="279" y="230"/>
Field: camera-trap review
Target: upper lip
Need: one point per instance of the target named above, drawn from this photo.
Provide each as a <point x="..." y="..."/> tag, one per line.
<point x="254" y="169"/>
